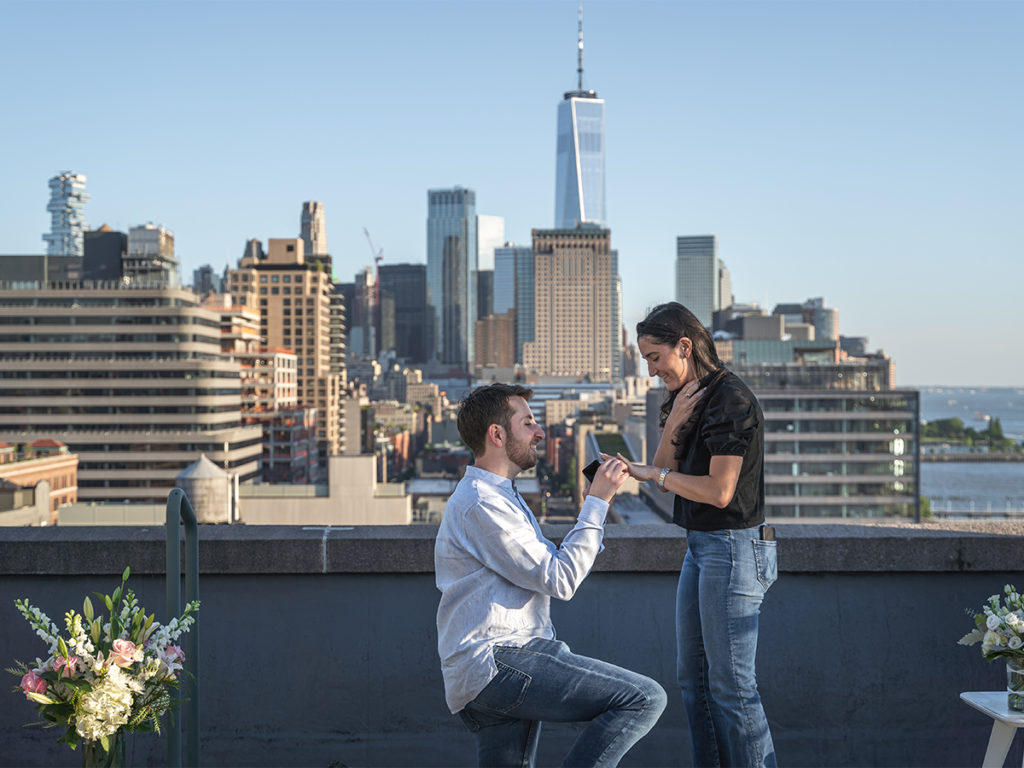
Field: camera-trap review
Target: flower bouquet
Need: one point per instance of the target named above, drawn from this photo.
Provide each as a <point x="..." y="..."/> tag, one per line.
<point x="108" y="676"/>
<point x="1000" y="629"/>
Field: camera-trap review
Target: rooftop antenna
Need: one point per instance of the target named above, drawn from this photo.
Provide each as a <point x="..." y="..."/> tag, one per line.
<point x="579" y="45"/>
<point x="579" y="93"/>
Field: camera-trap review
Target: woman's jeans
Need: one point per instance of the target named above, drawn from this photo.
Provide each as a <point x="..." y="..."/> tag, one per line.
<point x="725" y="575"/>
<point x="544" y="680"/>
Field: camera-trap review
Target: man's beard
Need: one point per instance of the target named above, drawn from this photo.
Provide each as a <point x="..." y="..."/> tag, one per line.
<point x="519" y="453"/>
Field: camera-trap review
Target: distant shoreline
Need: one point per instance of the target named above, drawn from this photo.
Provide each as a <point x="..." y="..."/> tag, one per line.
<point x="994" y="457"/>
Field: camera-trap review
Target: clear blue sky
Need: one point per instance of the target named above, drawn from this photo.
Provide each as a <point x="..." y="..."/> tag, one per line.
<point x="867" y="152"/>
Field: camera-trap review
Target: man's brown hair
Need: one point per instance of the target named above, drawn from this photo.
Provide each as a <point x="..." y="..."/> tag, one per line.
<point x="484" y="406"/>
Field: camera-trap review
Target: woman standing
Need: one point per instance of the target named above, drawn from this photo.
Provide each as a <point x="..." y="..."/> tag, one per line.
<point x="711" y="456"/>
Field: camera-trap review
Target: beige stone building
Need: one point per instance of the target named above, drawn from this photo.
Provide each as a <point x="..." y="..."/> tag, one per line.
<point x="575" y="304"/>
<point x="293" y="296"/>
<point x="130" y="377"/>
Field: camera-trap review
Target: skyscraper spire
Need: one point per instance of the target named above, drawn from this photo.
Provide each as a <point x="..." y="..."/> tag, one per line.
<point x="579" y="45"/>
<point x="579" y="93"/>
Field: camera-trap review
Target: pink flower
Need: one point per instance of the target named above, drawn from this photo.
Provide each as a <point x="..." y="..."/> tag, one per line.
<point x="33" y="683"/>
<point x="174" y="653"/>
<point x="67" y="663"/>
<point x="124" y="652"/>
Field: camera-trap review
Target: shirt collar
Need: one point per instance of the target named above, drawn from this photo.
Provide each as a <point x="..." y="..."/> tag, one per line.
<point x="501" y="481"/>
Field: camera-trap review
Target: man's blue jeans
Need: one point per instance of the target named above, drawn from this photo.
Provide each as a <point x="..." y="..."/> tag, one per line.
<point x="544" y="680"/>
<point x="725" y="575"/>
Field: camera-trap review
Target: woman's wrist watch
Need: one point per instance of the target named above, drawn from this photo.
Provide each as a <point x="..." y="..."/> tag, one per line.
<point x="662" y="476"/>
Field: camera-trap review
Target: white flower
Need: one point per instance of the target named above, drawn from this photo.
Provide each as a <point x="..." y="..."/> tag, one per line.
<point x="107" y="706"/>
<point x="992" y="622"/>
<point x="1015" y="643"/>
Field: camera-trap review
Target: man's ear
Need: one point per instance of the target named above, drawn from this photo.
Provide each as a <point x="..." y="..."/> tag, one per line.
<point x="496" y="434"/>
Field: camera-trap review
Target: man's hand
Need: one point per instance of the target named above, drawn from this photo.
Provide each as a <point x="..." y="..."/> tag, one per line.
<point x="609" y="478"/>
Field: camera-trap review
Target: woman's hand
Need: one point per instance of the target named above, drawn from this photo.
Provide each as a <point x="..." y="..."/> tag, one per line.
<point x="687" y="399"/>
<point x="641" y="472"/>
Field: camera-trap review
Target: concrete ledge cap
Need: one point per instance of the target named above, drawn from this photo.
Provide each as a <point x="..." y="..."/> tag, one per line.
<point x="239" y="549"/>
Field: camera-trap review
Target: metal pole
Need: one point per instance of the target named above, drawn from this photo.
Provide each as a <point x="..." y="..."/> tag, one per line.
<point x="179" y="510"/>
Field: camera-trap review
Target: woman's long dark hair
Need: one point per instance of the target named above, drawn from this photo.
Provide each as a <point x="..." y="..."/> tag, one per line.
<point x="667" y="324"/>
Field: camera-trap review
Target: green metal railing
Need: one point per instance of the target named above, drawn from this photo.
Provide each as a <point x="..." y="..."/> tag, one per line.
<point x="179" y="510"/>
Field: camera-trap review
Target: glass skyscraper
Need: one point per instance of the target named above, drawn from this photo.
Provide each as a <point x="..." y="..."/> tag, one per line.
<point x="579" y="175"/>
<point x="697" y="276"/>
<point x="451" y="272"/>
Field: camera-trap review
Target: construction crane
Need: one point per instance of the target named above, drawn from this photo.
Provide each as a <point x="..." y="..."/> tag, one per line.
<point x="378" y="257"/>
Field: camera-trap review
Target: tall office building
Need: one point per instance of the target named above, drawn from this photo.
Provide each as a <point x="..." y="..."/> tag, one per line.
<point x="724" y="287"/>
<point x="574" y="284"/>
<point x="451" y="272"/>
<point x="132" y="378"/>
<point x="314" y="228"/>
<point x="697" y="281"/>
<point x="205" y="280"/>
<point x="294" y="297"/>
<point x="150" y="258"/>
<point x="407" y="284"/>
<point x="67" y="226"/>
<point x="484" y="293"/>
<point x="579" y="172"/>
<point x="525" y="302"/>
<point x="513" y="289"/>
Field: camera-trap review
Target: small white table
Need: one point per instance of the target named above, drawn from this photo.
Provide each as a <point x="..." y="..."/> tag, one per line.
<point x="1004" y="726"/>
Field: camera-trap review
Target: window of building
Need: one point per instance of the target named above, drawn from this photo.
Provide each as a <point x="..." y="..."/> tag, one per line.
<point x="287" y="278"/>
<point x="275" y="278"/>
<point x="275" y="290"/>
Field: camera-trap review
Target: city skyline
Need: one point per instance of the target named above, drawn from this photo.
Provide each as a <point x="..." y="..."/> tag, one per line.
<point x="867" y="153"/>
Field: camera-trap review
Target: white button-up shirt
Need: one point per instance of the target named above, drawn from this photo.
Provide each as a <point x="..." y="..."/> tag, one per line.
<point x="497" y="574"/>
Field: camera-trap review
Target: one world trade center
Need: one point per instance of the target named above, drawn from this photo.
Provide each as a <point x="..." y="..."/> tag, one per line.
<point x="579" y="177"/>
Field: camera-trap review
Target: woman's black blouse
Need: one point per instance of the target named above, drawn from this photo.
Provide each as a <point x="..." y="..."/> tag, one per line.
<point x="732" y="425"/>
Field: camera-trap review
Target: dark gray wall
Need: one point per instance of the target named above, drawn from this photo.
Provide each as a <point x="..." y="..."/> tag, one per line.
<point x="320" y="648"/>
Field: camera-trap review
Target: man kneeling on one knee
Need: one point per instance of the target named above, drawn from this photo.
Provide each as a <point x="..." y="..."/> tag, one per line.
<point x="504" y="671"/>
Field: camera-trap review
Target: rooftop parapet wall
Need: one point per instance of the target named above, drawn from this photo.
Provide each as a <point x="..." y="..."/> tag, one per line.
<point x="319" y="646"/>
<point x="867" y="547"/>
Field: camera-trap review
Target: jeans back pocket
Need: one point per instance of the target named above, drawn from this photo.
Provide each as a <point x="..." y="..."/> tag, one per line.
<point x="506" y="690"/>
<point x="766" y="559"/>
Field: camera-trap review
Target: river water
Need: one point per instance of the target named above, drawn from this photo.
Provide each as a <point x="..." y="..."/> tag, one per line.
<point x="975" y="486"/>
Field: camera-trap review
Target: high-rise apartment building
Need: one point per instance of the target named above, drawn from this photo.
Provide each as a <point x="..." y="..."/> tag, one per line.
<point x="451" y="272"/>
<point x="130" y="377"/>
<point x="67" y="225"/>
<point x="314" y="228"/>
<point x="574" y="284"/>
<point x="150" y="258"/>
<point x="293" y="295"/>
<point x="697" y="279"/>
<point x="579" y="170"/>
